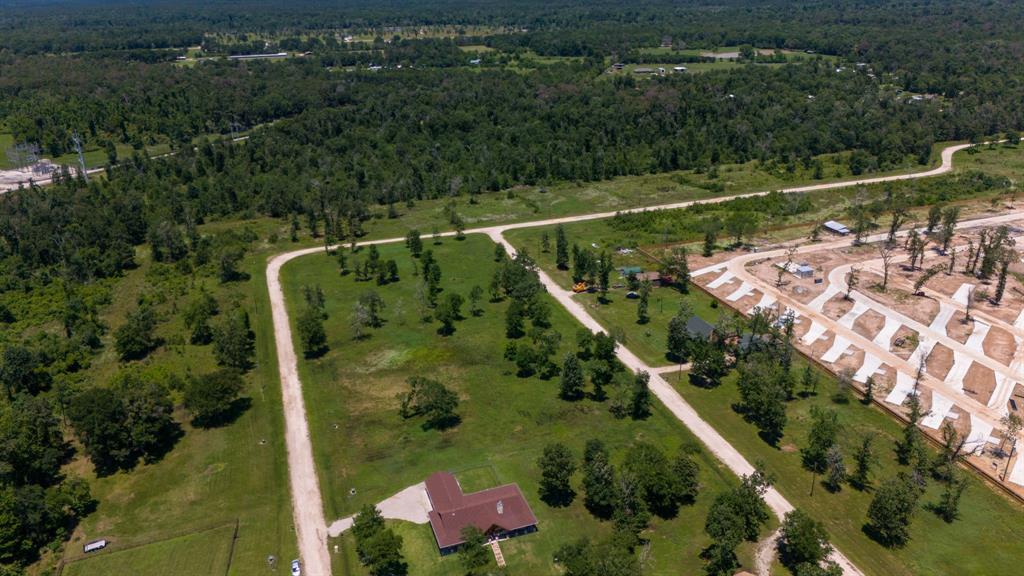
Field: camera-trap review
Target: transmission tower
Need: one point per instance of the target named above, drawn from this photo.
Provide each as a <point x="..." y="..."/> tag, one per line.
<point x="81" y="157"/>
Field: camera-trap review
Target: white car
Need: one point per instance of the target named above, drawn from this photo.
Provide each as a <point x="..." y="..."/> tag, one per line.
<point x="296" y="568"/>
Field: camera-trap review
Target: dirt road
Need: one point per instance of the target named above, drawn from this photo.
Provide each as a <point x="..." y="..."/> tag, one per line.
<point x="307" y="502"/>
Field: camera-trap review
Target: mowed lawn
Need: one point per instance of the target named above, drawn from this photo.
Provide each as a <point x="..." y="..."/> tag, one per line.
<point x="362" y="444"/>
<point x="985" y="540"/>
<point x="199" y="554"/>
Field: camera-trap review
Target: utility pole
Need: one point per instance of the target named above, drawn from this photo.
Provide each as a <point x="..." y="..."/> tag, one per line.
<point x="81" y="158"/>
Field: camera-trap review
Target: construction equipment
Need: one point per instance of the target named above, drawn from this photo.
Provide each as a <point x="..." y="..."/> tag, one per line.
<point x="579" y="287"/>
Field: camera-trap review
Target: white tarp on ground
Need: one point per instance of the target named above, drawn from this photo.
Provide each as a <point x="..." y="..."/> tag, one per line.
<point x="903" y="388"/>
<point x="924" y="348"/>
<point x="725" y="278"/>
<point x="869" y="368"/>
<point x="813" y="334"/>
<point x="819" y="302"/>
<point x="961" y="294"/>
<point x="706" y="269"/>
<point x="884" y="338"/>
<point x="940" y="408"/>
<point x="766" y="301"/>
<point x="961" y="364"/>
<point x="850" y="317"/>
<point x="979" y="435"/>
<point x="839" y="345"/>
<point x="946" y="312"/>
<point x="740" y="292"/>
<point x="1002" y="392"/>
<point x="975" y="342"/>
<point x="1017" y="472"/>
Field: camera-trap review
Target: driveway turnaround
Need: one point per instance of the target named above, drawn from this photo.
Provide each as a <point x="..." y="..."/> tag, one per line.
<point x="307" y="502"/>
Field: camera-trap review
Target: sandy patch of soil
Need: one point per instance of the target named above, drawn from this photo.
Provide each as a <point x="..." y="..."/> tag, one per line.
<point x="958" y="328"/>
<point x="939" y="361"/>
<point x="904" y="342"/>
<point x="836" y="307"/>
<point x="851" y="361"/>
<point x="979" y="383"/>
<point x="1000" y="345"/>
<point x="869" y="324"/>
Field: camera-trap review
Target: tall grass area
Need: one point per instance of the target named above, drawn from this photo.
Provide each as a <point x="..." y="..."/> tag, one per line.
<point x="211" y="477"/>
<point x="362" y="444"/>
<point x="200" y="554"/>
<point x="984" y="540"/>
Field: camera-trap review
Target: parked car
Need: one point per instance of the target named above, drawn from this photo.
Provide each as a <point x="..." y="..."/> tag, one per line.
<point x="296" y="568"/>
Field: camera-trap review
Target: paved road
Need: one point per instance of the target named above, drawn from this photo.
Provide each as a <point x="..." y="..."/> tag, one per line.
<point x="307" y="502"/>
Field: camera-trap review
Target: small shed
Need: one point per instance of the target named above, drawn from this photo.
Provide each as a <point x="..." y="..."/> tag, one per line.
<point x="627" y="270"/>
<point x="799" y="270"/>
<point x="836" y="228"/>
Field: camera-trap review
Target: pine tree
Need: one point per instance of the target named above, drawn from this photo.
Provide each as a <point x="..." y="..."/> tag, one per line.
<point x="572" y="381"/>
<point x="836" y="469"/>
<point x="561" y="248"/>
<point x="640" y="404"/>
<point x="642" y="316"/>
<point x="864" y="459"/>
<point x="1001" y="285"/>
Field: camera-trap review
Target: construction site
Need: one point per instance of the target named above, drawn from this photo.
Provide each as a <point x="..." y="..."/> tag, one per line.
<point x="914" y="313"/>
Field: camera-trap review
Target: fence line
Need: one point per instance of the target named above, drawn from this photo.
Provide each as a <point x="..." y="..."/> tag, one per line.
<point x="80" y="556"/>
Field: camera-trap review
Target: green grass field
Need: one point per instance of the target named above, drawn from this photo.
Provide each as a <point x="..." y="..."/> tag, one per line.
<point x="526" y="203"/>
<point x="983" y="541"/>
<point x="212" y="475"/>
<point x="205" y="553"/>
<point x="361" y="442"/>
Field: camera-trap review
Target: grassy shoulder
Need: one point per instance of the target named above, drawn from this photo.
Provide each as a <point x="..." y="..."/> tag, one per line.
<point x="542" y="201"/>
<point x="982" y="541"/>
<point x="361" y="442"/>
<point x="212" y="477"/>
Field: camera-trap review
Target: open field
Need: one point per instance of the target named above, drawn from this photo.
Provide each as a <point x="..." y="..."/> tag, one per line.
<point x="233" y="472"/>
<point x="361" y="442"/>
<point x="526" y="203"/>
<point x="205" y="553"/>
<point x="987" y="527"/>
<point x="682" y="226"/>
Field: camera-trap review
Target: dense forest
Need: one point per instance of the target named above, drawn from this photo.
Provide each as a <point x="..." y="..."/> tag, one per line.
<point x="332" y="137"/>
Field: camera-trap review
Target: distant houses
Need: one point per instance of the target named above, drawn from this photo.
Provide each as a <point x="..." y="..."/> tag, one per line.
<point x="499" y="513"/>
<point x="258" y="56"/>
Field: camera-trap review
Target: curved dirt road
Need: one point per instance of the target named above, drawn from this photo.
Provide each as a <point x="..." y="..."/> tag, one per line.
<point x="307" y="502"/>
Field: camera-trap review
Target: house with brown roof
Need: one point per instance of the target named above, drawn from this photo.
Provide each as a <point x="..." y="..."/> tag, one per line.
<point x="499" y="513"/>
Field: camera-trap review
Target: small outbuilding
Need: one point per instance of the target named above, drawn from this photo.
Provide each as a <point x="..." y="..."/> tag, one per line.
<point x="836" y="227"/>
<point x="798" y="270"/>
<point x="627" y="270"/>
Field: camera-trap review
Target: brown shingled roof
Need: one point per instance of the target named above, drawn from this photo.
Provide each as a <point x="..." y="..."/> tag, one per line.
<point x="496" y="510"/>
